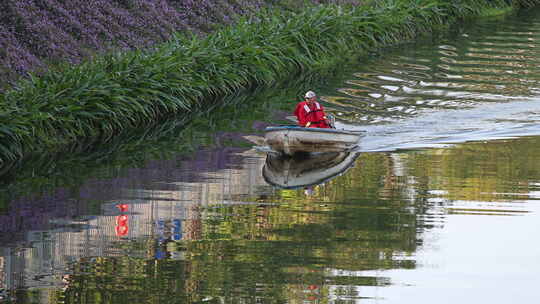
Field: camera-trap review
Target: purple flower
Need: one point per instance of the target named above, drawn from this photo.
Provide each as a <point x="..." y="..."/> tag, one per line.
<point x="35" y="33"/>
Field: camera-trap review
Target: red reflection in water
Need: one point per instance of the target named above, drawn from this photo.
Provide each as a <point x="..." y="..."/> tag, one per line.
<point x="122" y="227"/>
<point x="122" y="207"/>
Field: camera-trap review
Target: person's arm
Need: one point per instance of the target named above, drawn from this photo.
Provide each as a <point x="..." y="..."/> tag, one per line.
<point x="302" y="118"/>
<point x="301" y="114"/>
<point x="297" y="113"/>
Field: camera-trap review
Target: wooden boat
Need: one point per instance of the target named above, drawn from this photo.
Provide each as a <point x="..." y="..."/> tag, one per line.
<point x="311" y="169"/>
<point x="293" y="139"/>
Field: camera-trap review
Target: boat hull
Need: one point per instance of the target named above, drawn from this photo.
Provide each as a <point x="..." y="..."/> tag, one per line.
<point x="290" y="140"/>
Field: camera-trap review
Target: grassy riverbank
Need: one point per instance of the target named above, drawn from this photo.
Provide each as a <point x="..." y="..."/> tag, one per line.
<point x="100" y="99"/>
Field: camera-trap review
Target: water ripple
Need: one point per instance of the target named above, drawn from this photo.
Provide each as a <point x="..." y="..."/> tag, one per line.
<point x="483" y="67"/>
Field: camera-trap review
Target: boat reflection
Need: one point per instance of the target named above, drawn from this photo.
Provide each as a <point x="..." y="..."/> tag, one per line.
<point x="305" y="170"/>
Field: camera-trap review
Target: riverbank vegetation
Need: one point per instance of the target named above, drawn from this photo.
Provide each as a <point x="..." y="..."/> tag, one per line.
<point x="132" y="86"/>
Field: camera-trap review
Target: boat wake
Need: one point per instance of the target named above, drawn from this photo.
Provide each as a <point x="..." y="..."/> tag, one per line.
<point x="442" y="128"/>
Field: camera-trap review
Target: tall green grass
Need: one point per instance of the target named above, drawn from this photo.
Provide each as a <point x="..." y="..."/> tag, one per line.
<point x="98" y="100"/>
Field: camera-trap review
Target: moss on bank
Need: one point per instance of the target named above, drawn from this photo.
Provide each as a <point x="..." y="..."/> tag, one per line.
<point x="98" y="100"/>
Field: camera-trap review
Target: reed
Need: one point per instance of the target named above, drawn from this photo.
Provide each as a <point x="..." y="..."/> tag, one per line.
<point x="98" y="99"/>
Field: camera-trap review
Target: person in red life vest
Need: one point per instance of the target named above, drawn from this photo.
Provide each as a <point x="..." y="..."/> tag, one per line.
<point x="310" y="113"/>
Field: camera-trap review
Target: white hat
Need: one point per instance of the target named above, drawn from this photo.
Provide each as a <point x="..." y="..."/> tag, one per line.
<point x="310" y="94"/>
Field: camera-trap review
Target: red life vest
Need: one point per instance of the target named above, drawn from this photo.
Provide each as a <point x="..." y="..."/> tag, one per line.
<point x="313" y="113"/>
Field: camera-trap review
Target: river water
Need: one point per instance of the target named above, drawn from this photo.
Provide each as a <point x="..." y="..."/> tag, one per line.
<point x="439" y="205"/>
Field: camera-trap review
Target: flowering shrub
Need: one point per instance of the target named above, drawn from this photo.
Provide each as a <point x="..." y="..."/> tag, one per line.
<point x="35" y="33"/>
<point x="14" y="57"/>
